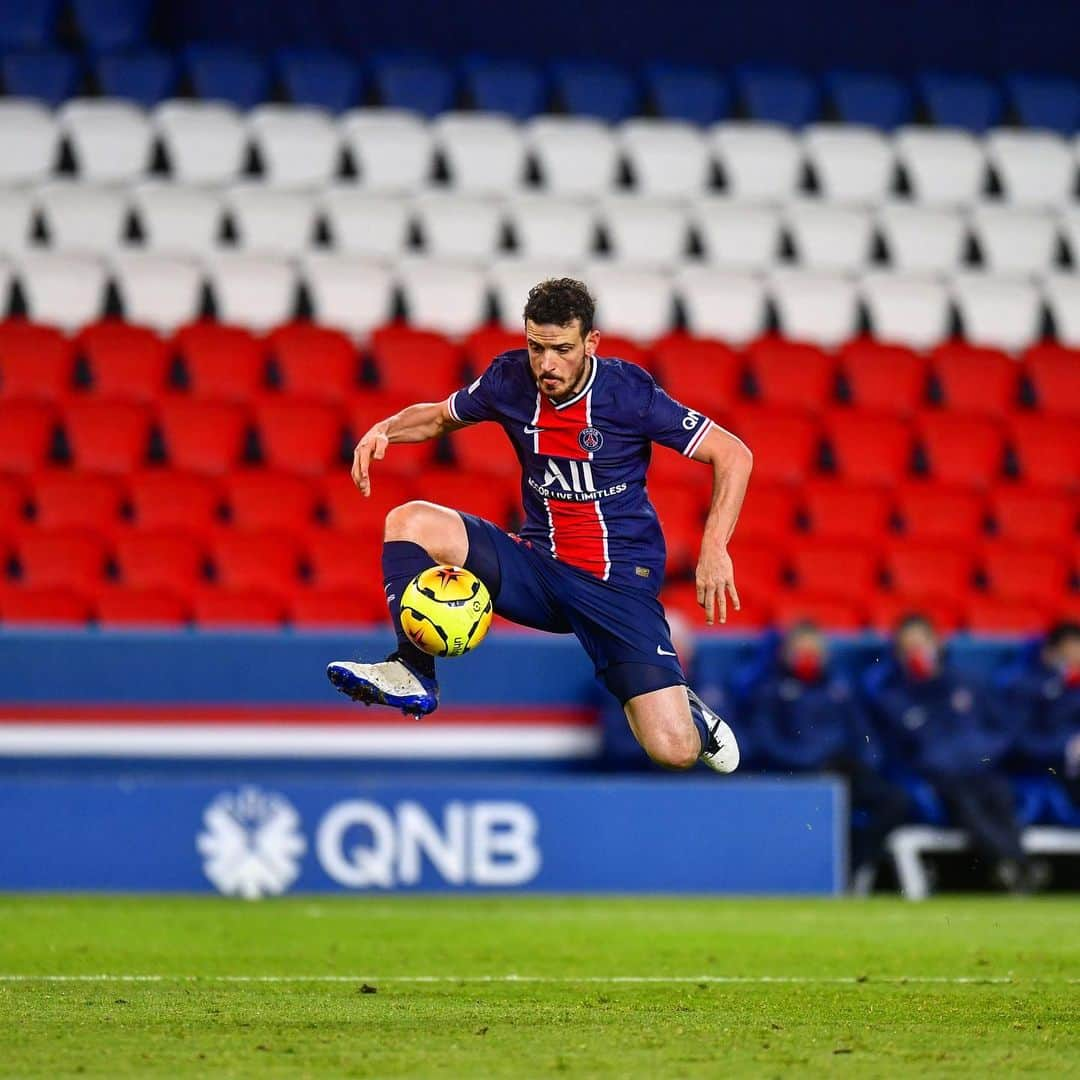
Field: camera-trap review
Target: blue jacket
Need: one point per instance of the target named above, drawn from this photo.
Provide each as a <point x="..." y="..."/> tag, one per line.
<point x="1046" y="711"/>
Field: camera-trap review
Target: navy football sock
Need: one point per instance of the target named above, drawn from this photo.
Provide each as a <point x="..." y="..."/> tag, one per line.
<point x="702" y="728"/>
<point x="402" y="560"/>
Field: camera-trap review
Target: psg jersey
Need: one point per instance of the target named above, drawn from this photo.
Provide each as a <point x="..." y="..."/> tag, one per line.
<point x="583" y="460"/>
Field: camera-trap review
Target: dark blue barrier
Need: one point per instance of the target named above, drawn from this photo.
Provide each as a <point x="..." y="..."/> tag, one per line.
<point x="662" y="835"/>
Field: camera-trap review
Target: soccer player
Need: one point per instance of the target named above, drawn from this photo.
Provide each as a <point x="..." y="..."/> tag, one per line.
<point x="590" y="558"/>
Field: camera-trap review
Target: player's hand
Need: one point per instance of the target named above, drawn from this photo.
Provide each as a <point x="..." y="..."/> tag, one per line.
<point x="715" y="582"/>
<point x="371" y="447"/>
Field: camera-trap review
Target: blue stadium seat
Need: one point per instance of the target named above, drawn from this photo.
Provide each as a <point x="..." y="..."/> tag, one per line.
<point x="1032" y="799"/>
<point x="321" y="77"/>
<point x="223" y="73"/>
<point x="1063" y="811"/>
<point x="779" y="95"/>
<point x="146" y="77"/>
<point x="866" y="97"/>
<point x="46" y="74"/>
<point x="106" y="25"/>
<point x="1046" y="101"/>
<point x="514" y="87"/>
<point x="696" y="94"/>
<point x="28" y="24"/>
<point x="600" y="90"/>
<point x="415" y="82"/>
<point x="963" y="101"/>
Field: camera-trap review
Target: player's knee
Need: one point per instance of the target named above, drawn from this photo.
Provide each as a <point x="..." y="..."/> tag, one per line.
<point x="408" y="521"/>
<point x="674" y="750"/>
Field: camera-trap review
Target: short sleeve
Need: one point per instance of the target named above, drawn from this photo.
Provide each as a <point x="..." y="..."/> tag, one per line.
<point x="478" y="401"/>
<point x="672" y="424"/>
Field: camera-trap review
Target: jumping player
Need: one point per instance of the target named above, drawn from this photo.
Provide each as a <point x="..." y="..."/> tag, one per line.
<point x="590" y="557"/>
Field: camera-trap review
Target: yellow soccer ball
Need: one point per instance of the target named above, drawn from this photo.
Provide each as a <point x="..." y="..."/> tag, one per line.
<point x="446" y="611"/>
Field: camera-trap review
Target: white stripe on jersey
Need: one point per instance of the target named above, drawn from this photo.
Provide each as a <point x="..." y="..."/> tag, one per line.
<point x="536" y="433"/>
<point x="588" y="414"/>
<point x="450" y="406"/>
<point x="551" y="524"/>
<point x="696" y="441"/>
<point x="603" y="533"/>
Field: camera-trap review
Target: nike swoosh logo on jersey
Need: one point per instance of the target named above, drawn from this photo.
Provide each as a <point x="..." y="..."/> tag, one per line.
<point x="663" y="652"/>
<point x="533" y="430"/>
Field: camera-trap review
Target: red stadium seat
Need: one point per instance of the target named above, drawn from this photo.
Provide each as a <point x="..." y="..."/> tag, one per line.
<point x="682" y="517"/>
<point x="119" y="605"/>
<point x="339" y="560"/>
<point x="1034" y="515"/>
<point x="1047" y="449"/>
<point x="13" y="502"/>
<point x="479" y="495"/>
<point x="28" y="605"/>
<point x="203" y="436"/>
<point x="264" y="499"/>
<point x="916" y="568"/>
<point x="487" y="342"/>
<point x="886" y="609"/>
<point x="767" y="515"/>
<point x="837" y="510"/>
<point x="484" y="448"/>
<point x="703" y="375"/>
<point x="260" y="560"/>
<point x="368" y="408"/>
<point x="623" y="348"/>
<point x="757" y="573"/>
<point x="337" y="607"/>
<point x="125" y="361"/>
<point x="417" y="363"/>
<point x="170" y="498"/>
<point x="222" y="607"/>
<point x="222" y="362"/>
<point x="837" y="570"/>
<point x="1036" y="575"/>
<point x="884" y="378"/>
<point x="939" y="512"/>
<point x="976" y="380"/>
<point x="26" y="434"/>
<point x="62" y="558"/>
<point x="315" y="362"/>
<point x="64" y="498"/>
<point x="1054" y="372"/>
<point x="993" y="615"/>
<point x="784" y="442"/>
<point x="962" y="449"/>
<point x="681" y="597"/>
<point x="300" y="436"/>
<point x="349" y="511"/>
<point x="830" y="613"/>
<point x="107" y="436"/>
<point x="869" y="448"/>
<point x="792" y="373"/>
<point x="161" y="559"/>
<point x="35" y="361"/>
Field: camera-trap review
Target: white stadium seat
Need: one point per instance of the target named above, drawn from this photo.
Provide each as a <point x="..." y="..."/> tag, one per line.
<point x="391" y="148"/>
<point x="206" y="141"/>
<point x="668" y="159"/>
<point x="83" y="217"/>
<point x="511" y="279"/>
<point x="1062" y="295"/>
<point x="485" y="152"/>
<point x="272" y="221"/>
<point x="818" y="308"/>
<point x="738" y="235"/>
<point x="178" y="219"/>
<point x="450" y="298"/>
<point x="549" y="227"/>
<point x="111" y="140"/>
<point x="347" y="293"/>
<point x="645" y="232"/>
<point x="998" y="312"/>
<point x="299" y="147"/>
<point x="30" y="136"/>
<point x="922" y="239"/>
<point x="1015" y="241"/>
<point x="761" y="162"/>
<point x="907" y="309"/>
<point x="159" y="291"/>
<point x="944" y="166"/>
<point x="577" y="156"/>
<point x="256" y="291"/>
<point x="16" y="219"/>
<point x="366" y="223"/>
<point x="459" y="226"/>
<point x="62" y="290"/>
<point x="1069" y="227"/>
<point x="633" y="303"/>
<point x="5" y="287"/>
<point x="852" y="163"/>
<point x="722" y="304"/>
<point x="1036" y="168"/>
<point x="830" y="237"/>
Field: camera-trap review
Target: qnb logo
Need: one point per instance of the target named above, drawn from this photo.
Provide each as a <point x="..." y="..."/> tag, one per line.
<point x="691" y="420"/>
<point x="363" y="845"/>
<point x="251" y="844"/>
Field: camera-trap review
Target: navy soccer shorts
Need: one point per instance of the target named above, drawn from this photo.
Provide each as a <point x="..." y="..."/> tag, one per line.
<point x="623" y="629"/>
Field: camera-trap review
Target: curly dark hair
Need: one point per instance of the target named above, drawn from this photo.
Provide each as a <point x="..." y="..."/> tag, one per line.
<point x="558" y="302"/>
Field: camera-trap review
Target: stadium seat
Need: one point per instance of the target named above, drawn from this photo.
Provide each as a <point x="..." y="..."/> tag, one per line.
<point x="737" y="235"/>
<point x="467" y="227"/>
<point x="298" y="146"/>
<point x="203" y="436"/>
<point x="961" y="449"/>
<point x="760" y="162"/>
<point x="998" y="312"/>
<point x="422" y="85"/>
<point x="682" y="518"/>
<point x="851" y="164"/>
<point x="119" y="605"/>
<point x="255" y="559"/>
<point x="910" y="310"/>
<point x="61" y="558"/>
<point x="1053" y="371"/>
<point x="487" y="342"/>
<point x="47" y="75"/>
<point x="1032" y="574"/>
<point x="885" y="378"/>
<point x="784" y="442"/>
<point x="158" y="291"/>
<point x="82" y="218"/>
<point x="350" y="294"/>
<point x="721" y="304"/>
<point x="510" y="280"/>
<point x="1061" y="292"/>
<point x="346" y="560"/>
<point x="35" y="361"/>
<point x="482" y="450"/>
<point x="961" y="101"/>
<point x="549" y="228"/>
<point x="758" y="576"/>
<point x="346" y="510"/>
<point x="623" y="348"/>
<point x="108" y="24"/>
<point x="976" y="380"/>
<point x="70" y="499"/>
<point x="668" y="159"/>
<point x="939" y="512"/>
<point x="146" y="77"/>
<point x="392" y="149"/>
<point x="16" y="220"/>
<point x="869" y="97"/>
<point x="831" y="613"/>
<point x="31" y="137"/>
<point x="222" y="362"/>
<point x="644" y="232"/>
<point x="110" y="140"/>
<point x="839" y="570"/>
<point x="315" y="607"/>
<point x="769" y="517"/>
<point x="841" y="511"/>
<point x="125" y="361"/>
<point x="447" y="297"/>
<point x="468" y="489"/>
<point x="514" y="87"/>
<point x="1029" y="515"/>
<point x="1046" y="101"/>
<point x="943" y="167"/>
<point x="299" y="436"/>
<point x="45" y="606"/>
<point x="702" y="374"/>
<point x="695" y="95"/>
<point x="828" y="237"/>
<point x="226" y="608"/>
<point x="918" y="568"/>
<point x="680" y="597"/>
<point x="1035" y="168"/>
<point x="266" y="499"/>
<point x="402" y="459"/>
<point x="171" y="499"/>
<point x="30" y="25"/>
<point x="13" y="503"/>
<point x="634" y="303"/>
<point x="320" y="78"/>
<point x="869" y="448"/>
<point x="271" y="222"/>
<point x="107" y="436"/>
<point x="778" y="95"/>
<point x="257" y="291"/>
<point x="597" y="89"/>
<point x="922" y="239"/>
<point x="886" y="609"/>
<point x="416" y="364"/>
<point x="314" y="362"/>
<point x="178" y="219"/>
<point x="984" y="614"/>
<point x="5" y="287"/>
<point x="485" y="153"/>
<point x="205" y="141"/>
<point x="26" y="434"/>
<point x="576" y="155"/>
<point x="1047" y="449"/>
<point x="161" y="559"/>
<point x="791" y="373"/>
<point x="366" y="223"/>
<point x="820" y="308"/>
<point x="227" y="73"/>
<point x="1015" y="241"/>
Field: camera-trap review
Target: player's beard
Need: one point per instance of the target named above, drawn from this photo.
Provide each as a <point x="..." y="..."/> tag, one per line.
<point x="551" y="390"/>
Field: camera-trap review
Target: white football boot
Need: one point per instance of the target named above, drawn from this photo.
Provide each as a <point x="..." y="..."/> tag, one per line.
<point x="722" y="753"/>
<point x="390" y="682"/>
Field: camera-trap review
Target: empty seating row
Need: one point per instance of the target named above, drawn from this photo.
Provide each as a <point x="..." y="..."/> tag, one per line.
<point x="109" y="140"/>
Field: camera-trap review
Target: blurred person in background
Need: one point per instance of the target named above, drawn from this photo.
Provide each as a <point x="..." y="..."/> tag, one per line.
<point x="808" y="718"/>
<point x="941" y="726"/>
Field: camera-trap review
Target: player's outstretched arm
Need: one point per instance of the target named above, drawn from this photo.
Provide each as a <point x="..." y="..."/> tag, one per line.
<point x="731" y="463"/>
<point x="414" y="424"/>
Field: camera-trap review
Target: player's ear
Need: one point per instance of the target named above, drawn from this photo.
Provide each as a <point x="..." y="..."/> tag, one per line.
<point x="592" y="341"/>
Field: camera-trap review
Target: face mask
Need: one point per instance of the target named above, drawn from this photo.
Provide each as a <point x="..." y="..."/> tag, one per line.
<point x="919" y="664"/>
<point x="806" y="665"/>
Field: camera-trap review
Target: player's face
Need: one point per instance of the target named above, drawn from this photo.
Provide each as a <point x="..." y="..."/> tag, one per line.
<point x="560" y="357"/>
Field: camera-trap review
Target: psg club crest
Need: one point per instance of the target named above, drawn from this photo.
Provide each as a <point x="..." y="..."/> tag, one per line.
<point x="590" y="440"/>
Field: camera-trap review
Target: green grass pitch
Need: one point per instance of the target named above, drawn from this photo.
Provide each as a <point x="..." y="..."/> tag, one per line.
<point x="419" y="986"/>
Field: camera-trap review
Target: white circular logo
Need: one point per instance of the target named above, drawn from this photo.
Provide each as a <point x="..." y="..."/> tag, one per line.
<point x="251" y="843"/>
